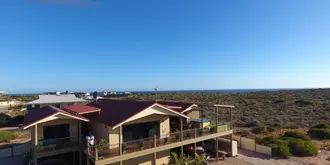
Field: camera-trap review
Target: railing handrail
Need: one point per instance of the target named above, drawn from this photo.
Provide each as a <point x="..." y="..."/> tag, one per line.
<point x="59" y="138"/>
<point x="160" y="140"/>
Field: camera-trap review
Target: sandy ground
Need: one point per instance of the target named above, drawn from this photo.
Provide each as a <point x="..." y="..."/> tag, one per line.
<point x="251" y="158"/>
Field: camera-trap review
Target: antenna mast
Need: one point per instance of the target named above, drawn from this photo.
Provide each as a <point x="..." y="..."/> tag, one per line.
<point x="156" y="89"/>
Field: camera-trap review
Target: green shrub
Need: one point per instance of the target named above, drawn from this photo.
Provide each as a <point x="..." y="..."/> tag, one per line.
<point x="284" y="147"/>
<point x="306" y="102"/>
<point x="102" y="144"/>
<point x="6" y="136"/>
<point x="270" y="140"/>
<point x="213" y="129"/>
<point x="27" y="157"/>
<point x="281" y="151"/>
<point x="270" y="129"/>
<point x="290" y="125"/>
<point x="319" y="133"/>
<point x="4" y="119"/>
<point x="297" y="135"/>
<point x="303" y="148"/>
<point x="259" y="129"/>
<point x="323" y="126"/>
<point x="277" y="125"/>
<point x="141" y="143"/>
<point x="253" y="123"/>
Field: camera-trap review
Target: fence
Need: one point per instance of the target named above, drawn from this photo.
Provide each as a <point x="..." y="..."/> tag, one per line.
<point x="250" y="144"/>
<point x="14" y="150"/>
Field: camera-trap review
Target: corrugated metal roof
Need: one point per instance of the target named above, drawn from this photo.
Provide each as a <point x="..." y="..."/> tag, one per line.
<point x="64" y="98"/>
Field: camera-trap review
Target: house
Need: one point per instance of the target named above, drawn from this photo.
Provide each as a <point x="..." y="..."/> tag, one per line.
<point x="3" y="93"/>
<point x="123" y="132"/>
<point x="57" y="100"/>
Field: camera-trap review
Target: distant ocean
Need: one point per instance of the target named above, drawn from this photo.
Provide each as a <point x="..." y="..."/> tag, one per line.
<point x="195" y="91"/>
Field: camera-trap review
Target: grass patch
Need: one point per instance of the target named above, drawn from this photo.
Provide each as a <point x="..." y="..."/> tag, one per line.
<point x="6" y="136"/>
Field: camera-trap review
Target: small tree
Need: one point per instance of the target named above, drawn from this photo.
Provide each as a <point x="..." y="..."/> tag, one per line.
<point x="141" y="143"/>
<point x="101" y="145"/>
<point x="27" y="158"/>
<point x="124" y="146"/>
<point x="200" y="131"/>
<point x="199" y="159"/>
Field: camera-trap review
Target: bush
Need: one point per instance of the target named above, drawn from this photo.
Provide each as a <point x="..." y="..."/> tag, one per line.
<point x="270" y="129"/>
<point x="27" y="158"/>
<point x="303" y="148"/>
<point x="259" y="130"/>
<point x="281" y="151"/>
<point x="6" y="136"/>
<point x="284" y="147"/>
<point x="4" y="120"/>
<point x="102" y="144"/>
<point x="141" y="143"/>
<point x="302" y="103"/>
<point x="319" y="133"/>
<point x="323" y="126"/>
<point x="253" y="123"/>
<point x="277" y="125"/>
<point x="297" y="135"/>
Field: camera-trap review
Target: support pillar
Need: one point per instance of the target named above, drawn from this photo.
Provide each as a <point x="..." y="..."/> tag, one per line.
<point x="202" y="118"/>
<point x="231" y="135"/>
<point x="181" y="133"/>
<point x="80" y="141"/>
<point x="195" y="135"/>
<point x="217" y="119"/>
<point x="35" y="143"/>
<point x="155" y="153"/>
<point x="216" y="130"/>
<point x="216" y="149"/>
<point x="231" y="118"/>
<point x="120" y="142"/>
<point x="74" y="157"/>
<point x="88" y="152"/>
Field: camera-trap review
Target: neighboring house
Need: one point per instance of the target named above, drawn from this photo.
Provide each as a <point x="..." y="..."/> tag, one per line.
<point x="125" y="132"/>
<point x="3" y="93"/>
<point x="57" y="100"/>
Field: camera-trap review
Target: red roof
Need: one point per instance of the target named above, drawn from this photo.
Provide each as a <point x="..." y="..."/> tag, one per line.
<point x="36" y="115"/>
<point x="111" y="112"/>
<point x="81" y="109"/>
<point x="114" y="112"/>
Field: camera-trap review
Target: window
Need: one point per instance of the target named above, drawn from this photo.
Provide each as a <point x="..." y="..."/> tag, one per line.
<point x="58" y="105"/>
<point x="57" y="131"/>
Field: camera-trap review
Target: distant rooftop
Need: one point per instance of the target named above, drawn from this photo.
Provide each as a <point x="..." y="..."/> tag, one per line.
<point x="63" y="98"/>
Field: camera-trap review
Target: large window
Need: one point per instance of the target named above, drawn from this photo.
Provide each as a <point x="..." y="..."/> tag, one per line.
<point x="141" y="130"/>
<point x="57" y="131"/>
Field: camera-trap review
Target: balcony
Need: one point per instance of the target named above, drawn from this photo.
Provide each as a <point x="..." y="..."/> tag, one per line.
<point x="55" y="146"/>
<point x="106" y="154"/>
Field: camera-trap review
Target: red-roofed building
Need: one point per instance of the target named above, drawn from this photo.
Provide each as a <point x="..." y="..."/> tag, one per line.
<point x="130" y="131"/>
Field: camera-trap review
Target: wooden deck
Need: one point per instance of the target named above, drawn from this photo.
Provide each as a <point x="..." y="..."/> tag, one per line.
<point x="133" y="151"/>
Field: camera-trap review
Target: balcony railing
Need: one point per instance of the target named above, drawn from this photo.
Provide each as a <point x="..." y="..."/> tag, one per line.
<point x="56" y="144"/>
<point x="105" y="150"/>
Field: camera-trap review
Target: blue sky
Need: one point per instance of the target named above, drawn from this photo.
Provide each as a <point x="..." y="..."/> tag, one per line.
<point x="49" y="45"/>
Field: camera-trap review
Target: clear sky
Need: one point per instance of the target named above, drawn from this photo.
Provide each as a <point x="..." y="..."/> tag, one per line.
<point x="53" y="45"/>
